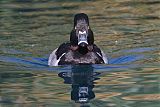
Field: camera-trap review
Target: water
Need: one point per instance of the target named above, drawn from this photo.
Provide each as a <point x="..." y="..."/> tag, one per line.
<point x="128" y="31"/>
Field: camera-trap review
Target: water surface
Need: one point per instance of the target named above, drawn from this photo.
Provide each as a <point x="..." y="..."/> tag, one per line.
<point x="128" y="32"/>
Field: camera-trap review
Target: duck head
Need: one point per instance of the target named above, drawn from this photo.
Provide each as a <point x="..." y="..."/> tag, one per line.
<point x="81" y="36"/>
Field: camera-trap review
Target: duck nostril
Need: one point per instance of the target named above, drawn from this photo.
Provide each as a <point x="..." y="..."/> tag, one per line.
<point x="82" y="37"/>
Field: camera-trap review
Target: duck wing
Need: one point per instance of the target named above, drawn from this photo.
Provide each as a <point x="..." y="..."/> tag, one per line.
<point x="56" y="55"/>
<point x="100" y="53"/>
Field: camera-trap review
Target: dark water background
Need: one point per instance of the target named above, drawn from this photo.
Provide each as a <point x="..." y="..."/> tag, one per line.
<point x="127" y="30"/>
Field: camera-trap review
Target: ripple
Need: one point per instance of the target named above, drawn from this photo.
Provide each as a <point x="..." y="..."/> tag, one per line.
<point x="126" y="30"/>
<point x="148" y="97"/>
<point x="106" y="96"/>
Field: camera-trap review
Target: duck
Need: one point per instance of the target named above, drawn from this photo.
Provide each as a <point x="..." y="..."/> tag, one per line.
<point x="81" y="48"/>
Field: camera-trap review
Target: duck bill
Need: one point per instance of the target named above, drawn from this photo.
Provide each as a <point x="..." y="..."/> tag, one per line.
<point x="82" y="39"/>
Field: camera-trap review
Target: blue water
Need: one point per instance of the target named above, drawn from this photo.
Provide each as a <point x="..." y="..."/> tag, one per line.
<point x="36" y="63"/>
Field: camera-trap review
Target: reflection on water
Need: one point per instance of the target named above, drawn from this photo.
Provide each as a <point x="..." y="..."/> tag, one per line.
<point x="128" y="31"/>
<point x="82" y="79"/>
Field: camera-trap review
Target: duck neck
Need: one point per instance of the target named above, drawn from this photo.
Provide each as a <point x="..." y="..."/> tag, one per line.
<point x="82" y="50"/>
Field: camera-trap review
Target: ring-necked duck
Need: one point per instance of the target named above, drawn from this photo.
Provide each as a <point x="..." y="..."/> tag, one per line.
<point x="81" y="48"/>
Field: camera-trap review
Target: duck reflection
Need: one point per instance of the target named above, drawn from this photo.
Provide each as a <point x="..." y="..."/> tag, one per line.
<point x="82" y="79"/>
